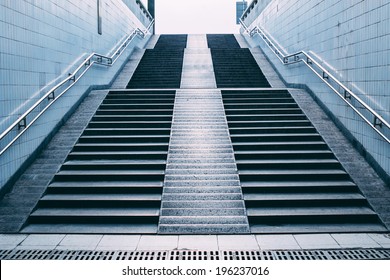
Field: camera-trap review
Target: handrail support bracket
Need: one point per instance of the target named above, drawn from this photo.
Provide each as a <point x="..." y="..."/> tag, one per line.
<point x="73" y="79"/>
<point x="22" y="124"/>
<point x="377" y="122"/>
<point x="51" y="96"/>
<point x="347" y="95"/>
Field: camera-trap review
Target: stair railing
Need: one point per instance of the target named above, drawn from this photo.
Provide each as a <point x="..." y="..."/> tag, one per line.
<point x="374" y="120"/>
<point x="22" y="124"/>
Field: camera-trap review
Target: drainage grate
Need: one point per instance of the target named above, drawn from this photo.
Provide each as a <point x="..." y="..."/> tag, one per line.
<point x="361" y="254"/>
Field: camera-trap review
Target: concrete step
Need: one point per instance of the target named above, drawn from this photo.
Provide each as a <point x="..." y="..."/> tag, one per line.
<point x="290" y="178"/>
<point x="203" y="196"/>
<point x="202" y="212"/>
<point x="207" y="220"/>
<point x="203" y="229"/>
<point x="115" y="165"/>
<point x="207" y="204"/>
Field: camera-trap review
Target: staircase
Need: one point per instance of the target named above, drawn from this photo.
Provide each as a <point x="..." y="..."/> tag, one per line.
<point x="113" y="178"/>
<point x="202" y="193"/>
<point x="291" y="180"/>
<point x="179" y="152"/>
<point x="234" y="67"/>
<point x="161" y="67"/>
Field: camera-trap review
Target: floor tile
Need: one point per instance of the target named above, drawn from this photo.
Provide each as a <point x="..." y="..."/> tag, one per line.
<point x="355" y="241"/>
<point x="277" y="242"/>
<point x="316" y="241"/>
<point x="7" y="247"/>
<point x="382" y="239"/>
<point x="12" y="239"/>
<point x="237" y="242"/>
<point x="76" y="248"/>
<point x="116" y="248"/>
<point x="155" y="242"/>
<point x="130" y="242"/>
<point x="36" y="247"/>
<point x="81" y="240"/>
<point x="198" y="242"/>
<point x="43" y="239"/>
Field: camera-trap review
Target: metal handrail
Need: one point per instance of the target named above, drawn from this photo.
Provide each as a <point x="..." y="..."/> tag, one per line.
<point x="22" y="124"/>
<point x="144" y="10"/>
<point x="342" y="91"/>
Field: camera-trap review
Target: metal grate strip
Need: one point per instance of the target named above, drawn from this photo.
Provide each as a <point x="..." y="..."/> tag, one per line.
<point x="360" y="254"/>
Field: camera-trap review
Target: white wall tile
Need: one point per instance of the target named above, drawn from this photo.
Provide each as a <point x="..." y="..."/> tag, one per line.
<point x="40" y="42"/>
<point x="353" y="37"/>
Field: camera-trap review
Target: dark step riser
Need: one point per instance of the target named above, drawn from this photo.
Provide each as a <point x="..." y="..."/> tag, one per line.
<point x="98" y="204"/>
<point x="144" y="119"/>
<point x="92" y="220"/>
<point x="293" y="177"/>
<point x="260" y="106"/>
<point x="282" y="156"/>
<point x="294" y="130"/>
<point x="110" y="124"/>
<point x="105" y="190"/>
<point x="107" y="178"/>
<point x="275" y="138"/>
<point x="313" y="219"/>
<point x="145" y="156"/>
<point x="297" y="190"/>
<point x="288" y="166"/>
<point x="124" y="132"/>
<point x="248" y="118"/>
<point x="124" y="140"/>
<point x="296" y="204"/>
<point x="286" y="111"/>
<point x="139" y="99"/>
<point x="277" y="147"/>
<point x="260" y="124"/>
<point x="135" y="106"/>
<point x="134" y="113"/>
<point x="259" y="100"/>
<point x="121" y="148"/>
<point x="107" y="166"/>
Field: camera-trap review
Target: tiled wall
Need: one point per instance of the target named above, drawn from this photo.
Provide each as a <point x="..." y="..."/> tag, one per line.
<point x="351" y="38"/>
<point x="40" y="43"/>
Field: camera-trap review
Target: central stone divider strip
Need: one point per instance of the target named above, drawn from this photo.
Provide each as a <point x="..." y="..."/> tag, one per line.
<point x="202" y="193"/>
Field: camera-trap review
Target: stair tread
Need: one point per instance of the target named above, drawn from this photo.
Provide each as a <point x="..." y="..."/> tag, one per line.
<point x="291" y="172"/>
<point x="275" y="135"/>
<point x="111" y="172"/>
<point x="307" y="211"/>
<point x="155" y="144"/>
<point x="297" y="183"/>
<point x="121" y="153"/>
<point x="108" y="184"/>
<point x="279" y="143"/>
<point x="101" y="197"/>
<point x="289" y="161"/>
<point x="317" y="228"/>
<point x="114" y="162"/>
<point x="102" y="228"/>
<point x="266" y="152"/>
<point x="96" y="212"/>
<point x="301" y="196"/>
